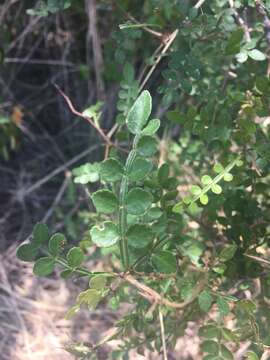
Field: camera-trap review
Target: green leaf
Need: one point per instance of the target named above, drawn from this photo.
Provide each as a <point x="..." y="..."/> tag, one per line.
<point x="87" y="173"/>
<point x="204" y="199"/>
<point x="163" y="173"/>
<point x="193" y="208"/>
<point x="206" y="180"/>
<point x="154" y="213"/>
<point x="105" y="235"/>
<point x="205" y="300"/>
<point x="223" y="306"/>
<point x="90" y="297"/>
<point x="98" y="282"/>
<point x="164" y="262"/>
<point x="128" y="72"/>
<point x="139" y="113"/>
<point x="239" y="163"/>
<point x="44" y="266"/>
<point x="227" y="253"/>
<point x="209" y="332"/>
<point x="26" y="252"/>
<point x="75" y="257"/>
<point x="72" y="311"/>
<point x="65" y="274"/>
<point x="139" y="236"/>
<point x="152" y="127"/>
<point x="229" y="335"/>
<point x="147" y="146"/>
<point x="246" y="305"/>
<point x="234" y="42"/>
<point x="257" y="55"/>
<point x="225" y="352"/>
<point x="195" y="190"/>
<point x="210" y="347"/>
<point x="216" y="189"/>
<point x="251" y="355"/>
<point x="56" y="243"/>
<point x="105" y="201"/>
<point x="242" y="57"/>
<point x="40" y="234"/>
<point x="228" y="177"/>
<point x="140" y="169"/>
<point x="138" y="201"/>
<point x="111" y="170"/>
<point x="218" y="168"/>
<point x="178" y="208"/>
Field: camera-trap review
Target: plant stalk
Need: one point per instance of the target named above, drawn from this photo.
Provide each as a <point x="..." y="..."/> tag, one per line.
<point x="122" y="205"/>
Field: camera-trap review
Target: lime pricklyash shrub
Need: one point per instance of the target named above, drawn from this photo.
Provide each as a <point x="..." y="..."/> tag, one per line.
<point x="159" y="267"/>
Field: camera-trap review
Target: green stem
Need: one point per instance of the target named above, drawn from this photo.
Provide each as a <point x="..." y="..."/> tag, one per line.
<point x="122" y="205"/>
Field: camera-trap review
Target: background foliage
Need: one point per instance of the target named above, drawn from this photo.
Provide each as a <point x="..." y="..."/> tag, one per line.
<point x="206" y="66"/>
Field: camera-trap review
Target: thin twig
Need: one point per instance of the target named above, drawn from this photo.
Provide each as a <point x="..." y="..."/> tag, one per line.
<point x="58" y="197"/>
<point x="88" y="119"/>
<point x="199" y="4"/>
<point x="169" y="42"/>
<point x="258" y="259"/>
<point x="61" y="169"/>
<point x="152" y="296"/>
<point x="162" y="330"/>
<point x="146" y="28"/>
<point x="240" y="21"/>
<point x="94" y="39"/>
